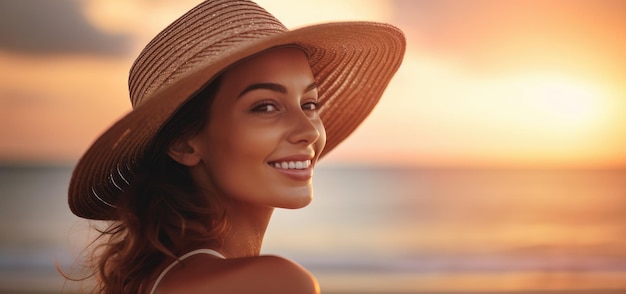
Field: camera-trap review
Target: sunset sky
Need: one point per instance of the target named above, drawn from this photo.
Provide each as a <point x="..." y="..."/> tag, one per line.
<point x="520" y="83"/>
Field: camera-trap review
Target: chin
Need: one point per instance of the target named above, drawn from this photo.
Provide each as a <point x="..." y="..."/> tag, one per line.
<point x="296" y="205"/>
<point x="298" y="199"/>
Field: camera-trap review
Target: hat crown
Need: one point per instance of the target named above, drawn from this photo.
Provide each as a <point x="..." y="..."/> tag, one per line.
<point x="199" y="36"/>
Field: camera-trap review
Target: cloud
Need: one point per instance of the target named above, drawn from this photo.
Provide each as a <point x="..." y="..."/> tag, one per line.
<point x="54" y="27"/>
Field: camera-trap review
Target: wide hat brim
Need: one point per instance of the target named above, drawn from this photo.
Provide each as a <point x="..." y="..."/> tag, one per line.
<point x="352" y="62"/>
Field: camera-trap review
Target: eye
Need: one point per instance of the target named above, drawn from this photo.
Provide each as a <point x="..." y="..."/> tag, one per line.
<point x="265" y="107"/>
<point x="313" y="105"/>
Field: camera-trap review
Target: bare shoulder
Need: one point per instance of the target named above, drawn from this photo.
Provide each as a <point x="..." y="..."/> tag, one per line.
<point x="277" y="275"/>
<point x="260" y="274"/>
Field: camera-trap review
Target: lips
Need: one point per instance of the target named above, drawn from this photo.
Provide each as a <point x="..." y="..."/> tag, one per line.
<point x="296" y="167"/>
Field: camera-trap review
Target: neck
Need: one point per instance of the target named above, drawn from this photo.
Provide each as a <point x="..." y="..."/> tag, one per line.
<point x="246" y="227"/>
<point x="246" y="223"/>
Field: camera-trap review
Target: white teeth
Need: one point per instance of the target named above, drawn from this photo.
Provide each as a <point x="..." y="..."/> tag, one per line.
<point x="292" y="164"/>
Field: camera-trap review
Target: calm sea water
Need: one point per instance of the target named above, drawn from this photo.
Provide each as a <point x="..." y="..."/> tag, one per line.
<point x="382" y="230"/>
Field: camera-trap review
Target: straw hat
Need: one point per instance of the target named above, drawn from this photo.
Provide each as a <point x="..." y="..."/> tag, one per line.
<point x="352" y="63"/>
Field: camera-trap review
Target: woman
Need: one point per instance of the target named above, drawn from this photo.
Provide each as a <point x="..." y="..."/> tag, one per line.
<point x="231" y="112"/>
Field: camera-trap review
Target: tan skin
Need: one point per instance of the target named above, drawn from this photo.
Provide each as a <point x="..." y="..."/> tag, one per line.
<point x="264" y="116"/>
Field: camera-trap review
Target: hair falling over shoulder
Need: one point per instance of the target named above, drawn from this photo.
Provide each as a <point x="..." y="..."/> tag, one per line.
<point x="161" y="215"/>
<point x="158" y="221"/>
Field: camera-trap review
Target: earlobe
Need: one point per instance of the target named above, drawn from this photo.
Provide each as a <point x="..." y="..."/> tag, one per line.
<point x="183" y="153"/>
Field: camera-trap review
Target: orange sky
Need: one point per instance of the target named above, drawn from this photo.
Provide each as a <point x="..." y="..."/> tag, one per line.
<point x="484" y="83"/>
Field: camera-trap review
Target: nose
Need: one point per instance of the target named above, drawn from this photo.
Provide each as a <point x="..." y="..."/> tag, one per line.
<point x="305" y="128"/>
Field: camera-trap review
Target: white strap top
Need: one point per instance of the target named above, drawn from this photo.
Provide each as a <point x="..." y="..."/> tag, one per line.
<point x="191" y="253"/>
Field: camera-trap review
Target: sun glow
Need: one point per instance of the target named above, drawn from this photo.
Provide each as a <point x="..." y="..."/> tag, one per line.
<point x="563" y="101"/>
<point x="523" y="119"/>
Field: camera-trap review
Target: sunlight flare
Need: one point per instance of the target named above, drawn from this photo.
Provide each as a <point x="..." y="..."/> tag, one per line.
<point x="564" y="101"/>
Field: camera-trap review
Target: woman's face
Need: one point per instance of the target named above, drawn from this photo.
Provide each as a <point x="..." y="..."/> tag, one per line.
<point x="264" y="134"/>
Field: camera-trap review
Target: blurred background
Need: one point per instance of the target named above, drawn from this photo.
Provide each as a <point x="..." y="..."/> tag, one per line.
<point x="495" y="162"/>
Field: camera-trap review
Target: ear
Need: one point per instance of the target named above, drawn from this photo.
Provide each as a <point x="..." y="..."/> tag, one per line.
<point x="183" y="152"/>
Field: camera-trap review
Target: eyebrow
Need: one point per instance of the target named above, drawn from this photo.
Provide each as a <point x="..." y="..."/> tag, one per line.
<point x="274" y="87"/>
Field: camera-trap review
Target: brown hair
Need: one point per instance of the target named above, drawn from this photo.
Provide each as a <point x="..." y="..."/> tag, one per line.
<point x="162" y="214"/>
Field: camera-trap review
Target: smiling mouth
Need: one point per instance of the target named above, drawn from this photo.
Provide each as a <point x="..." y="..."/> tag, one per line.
<point x="291" y="164"/>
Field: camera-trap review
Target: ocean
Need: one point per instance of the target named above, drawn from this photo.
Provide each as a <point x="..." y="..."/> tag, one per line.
<point x="380" y="230"/>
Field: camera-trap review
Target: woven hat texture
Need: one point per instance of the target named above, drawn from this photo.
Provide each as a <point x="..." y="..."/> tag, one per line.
<point x="352" y="63"/>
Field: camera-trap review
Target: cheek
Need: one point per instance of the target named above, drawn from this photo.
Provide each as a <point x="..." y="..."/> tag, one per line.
<point x="252" y="144"/>
<point x="245" y="144"/>
<point x="238" y="163"/>
<point x="321" y="141"/>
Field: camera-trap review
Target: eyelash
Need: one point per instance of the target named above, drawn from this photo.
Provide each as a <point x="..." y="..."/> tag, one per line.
<point x="315" y="105"/>
<point x="262" y="107"/>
